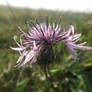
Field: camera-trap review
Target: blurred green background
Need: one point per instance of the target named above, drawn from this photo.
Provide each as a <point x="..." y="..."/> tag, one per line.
<point x="67" y="75"/>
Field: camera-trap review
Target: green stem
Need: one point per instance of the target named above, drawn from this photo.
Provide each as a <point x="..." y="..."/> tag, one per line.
<point x="46" y="71"/>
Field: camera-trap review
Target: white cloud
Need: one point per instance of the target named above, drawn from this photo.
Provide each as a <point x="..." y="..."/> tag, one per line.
<point x="75" y="5"/>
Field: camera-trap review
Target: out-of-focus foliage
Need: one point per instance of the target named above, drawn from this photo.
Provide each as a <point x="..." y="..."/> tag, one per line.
<point x="66" y="74"/>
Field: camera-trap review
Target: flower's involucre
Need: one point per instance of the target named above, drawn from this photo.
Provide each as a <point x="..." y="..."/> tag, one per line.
<point x="42" y="36"/>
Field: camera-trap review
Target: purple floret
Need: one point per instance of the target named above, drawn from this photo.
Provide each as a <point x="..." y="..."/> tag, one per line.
<point x="42" y="36"/>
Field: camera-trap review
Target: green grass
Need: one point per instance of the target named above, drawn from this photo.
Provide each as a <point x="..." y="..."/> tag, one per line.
<point x="68" y="76"/>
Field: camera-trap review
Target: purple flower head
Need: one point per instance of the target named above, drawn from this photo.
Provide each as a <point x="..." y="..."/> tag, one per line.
<point x="41" y="37"/>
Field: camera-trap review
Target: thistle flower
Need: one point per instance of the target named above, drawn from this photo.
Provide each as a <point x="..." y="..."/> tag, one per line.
<point x="41" y="37"/>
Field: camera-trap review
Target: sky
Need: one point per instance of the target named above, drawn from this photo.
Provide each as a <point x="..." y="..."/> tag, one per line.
<point x="65" y="5"/>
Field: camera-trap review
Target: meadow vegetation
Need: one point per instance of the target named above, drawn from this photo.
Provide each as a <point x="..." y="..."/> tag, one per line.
<point x="66" y="74"/>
